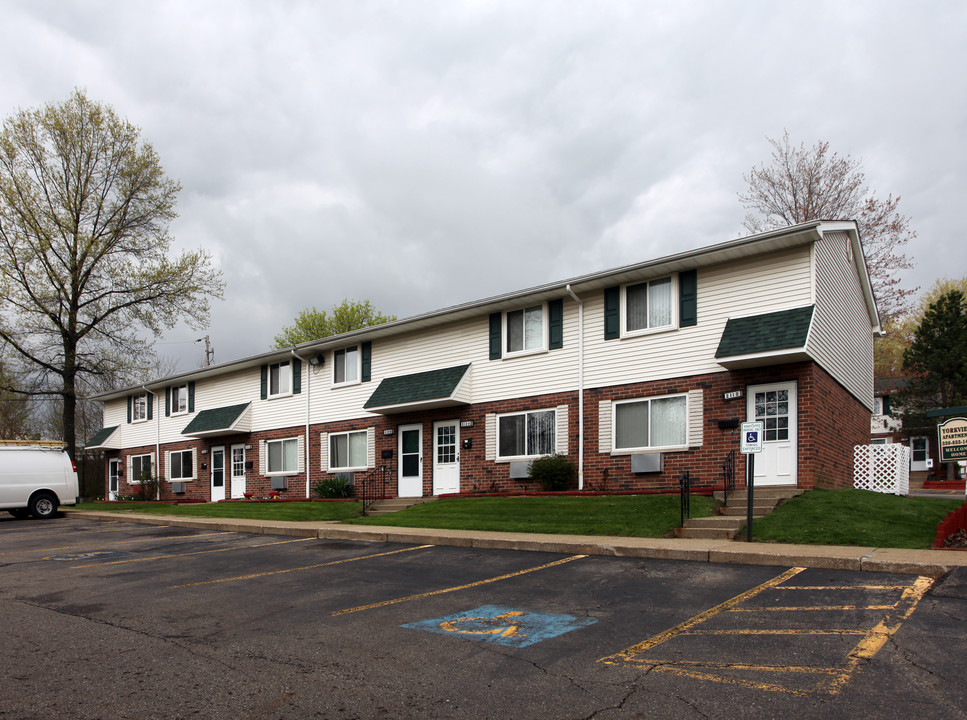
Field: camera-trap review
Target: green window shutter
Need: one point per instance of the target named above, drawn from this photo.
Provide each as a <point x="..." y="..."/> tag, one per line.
<point x="612" y="313"/>
<point x="191" y="396"/>
<point x="130" y="399"/>
<point x="296" y="376"/>
<point x="886" y="404"/>
<point x="495" y="320"/>
<point x="367" y="361"/>
<point x="688" y="298"/>
<point x="265" y="382"/>
<point x="150" y="400"/>
<point x="555" y="324"/>
<point x="168" y="401"/>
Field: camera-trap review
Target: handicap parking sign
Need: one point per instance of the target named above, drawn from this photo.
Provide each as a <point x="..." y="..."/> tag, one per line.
<point x="751" y="433"/>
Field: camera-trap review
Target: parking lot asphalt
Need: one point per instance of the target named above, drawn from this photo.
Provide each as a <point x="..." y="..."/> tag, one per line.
<point x="128" y="620"/>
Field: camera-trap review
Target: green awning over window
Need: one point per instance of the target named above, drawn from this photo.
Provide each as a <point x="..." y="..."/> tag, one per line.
<point x="219" y="421"/>
<point x="102" y="439"/>
<point x="760" y="339"/>
<point x="423" y="390"/>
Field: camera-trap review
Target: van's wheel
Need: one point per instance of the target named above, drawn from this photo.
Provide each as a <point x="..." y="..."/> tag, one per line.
<point x="19" y="513"/>
<point x="43" y="506"/>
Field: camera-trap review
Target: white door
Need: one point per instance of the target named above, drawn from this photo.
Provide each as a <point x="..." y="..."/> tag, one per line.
<point x="113" y="473"/>
<point x="238" y="471"/>
<point x="410" y="480"/>
<point x="218" y="474"/>
<point x="919" y="452"/>
<point x="446" y="457"/>
<point x="774" y="405"/>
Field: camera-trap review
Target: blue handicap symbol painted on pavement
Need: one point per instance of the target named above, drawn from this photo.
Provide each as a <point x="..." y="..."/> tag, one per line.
<point x="503" y="625"/>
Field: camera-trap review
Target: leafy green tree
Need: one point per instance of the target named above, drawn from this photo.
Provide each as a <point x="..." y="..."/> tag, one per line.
<point x="313" y="324"/>
<point x="86" y="269"/>
<point x="803" y="184"/>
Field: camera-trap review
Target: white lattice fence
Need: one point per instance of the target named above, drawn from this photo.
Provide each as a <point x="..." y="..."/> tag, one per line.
<point x="882" y="468"/>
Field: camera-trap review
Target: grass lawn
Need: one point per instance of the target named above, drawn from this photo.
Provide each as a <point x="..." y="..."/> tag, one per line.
<point x="629" y="515"/>
<point x="247" y="510"/>
<point x="855" y="517"/>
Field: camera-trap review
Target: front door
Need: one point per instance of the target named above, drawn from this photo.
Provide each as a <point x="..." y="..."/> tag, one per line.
<point x="446" y="457"/>
<point x="238" y="471"/>
<point x="774" y="405"/>
<point x="113" y="473"/>
<point x="410" y="480"/>
<point x="218" y="474"/>
<point x="919" y="452"/>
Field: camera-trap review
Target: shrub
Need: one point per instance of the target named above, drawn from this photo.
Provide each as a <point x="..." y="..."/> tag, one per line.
<point x="553" y="472"/>
<point x="334" y="487"/>
<point x="148" y="488"/>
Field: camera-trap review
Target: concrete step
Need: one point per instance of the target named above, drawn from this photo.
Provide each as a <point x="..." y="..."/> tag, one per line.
<point x="716" y="521"/>
<point x="707" y="533"/>
<point x="392" y="505"/>
<point x="783" y="493"/>
<point x="742" y="510"/>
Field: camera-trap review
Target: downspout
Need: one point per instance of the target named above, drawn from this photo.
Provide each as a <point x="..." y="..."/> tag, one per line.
<point x="157" y="441"/>
<point x="580" y="386"/>
<point x="308" y="393"/>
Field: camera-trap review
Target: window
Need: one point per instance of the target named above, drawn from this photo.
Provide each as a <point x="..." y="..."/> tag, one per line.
<point x="345" y="365"/>
<point x="280" y="379"/>
<point x="648" y="305"/>
<point x="878" y="405"/>
<point x="283" y="456"/>
<point x="181" y="465"/>
<point x="529" y="434"/>
<point x="772" y="409"/>
<point x="347" y="450"/>
<point x="880" y="441"/>
<point x="238" y="461"/>
<point x="140" y="469"/>
<point x="650" y="424"/>
<point x="179" y="400"/>
<point x="524" y="330"/>
<point x="139" y="407"/>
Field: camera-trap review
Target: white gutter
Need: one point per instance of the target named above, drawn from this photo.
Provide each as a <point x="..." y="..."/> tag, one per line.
<point x="580" y="386"/>
<point x="308" y="393"/>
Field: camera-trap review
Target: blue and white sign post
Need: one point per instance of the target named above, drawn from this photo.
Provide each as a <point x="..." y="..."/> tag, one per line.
<point x="751" y="443"/>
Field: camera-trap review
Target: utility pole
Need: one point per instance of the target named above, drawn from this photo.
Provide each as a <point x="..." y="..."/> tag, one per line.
<point x="209" y="352"/>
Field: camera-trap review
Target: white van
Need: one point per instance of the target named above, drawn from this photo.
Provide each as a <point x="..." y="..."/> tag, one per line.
<point x="36" y="477"/>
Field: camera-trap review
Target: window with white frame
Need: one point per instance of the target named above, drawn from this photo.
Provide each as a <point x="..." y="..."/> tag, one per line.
<point x="181" y="465"/>
<point x="348" y="450"/>
<point x="878" y="405"/>
<point x="139" y="407"/>
<point x="525" y="330"/>
<point x="140" y="469"/>
<point x="282" y="456"/>
<point x="651" y="423"/>
<point x="179" y="399"/>
<point x="280" y="379"/>
<point x="649" y="305"/>
<point x="526" y="434"/>
<point x="345" y="365"/>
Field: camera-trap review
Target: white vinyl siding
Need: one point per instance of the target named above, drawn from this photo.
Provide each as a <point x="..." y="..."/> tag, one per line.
<point x="841" y="338"/>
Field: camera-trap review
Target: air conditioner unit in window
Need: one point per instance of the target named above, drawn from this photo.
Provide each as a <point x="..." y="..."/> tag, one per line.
<point x="280" y="482"/>
<point x="646" y="463"/>
<point x="178" y="488"/>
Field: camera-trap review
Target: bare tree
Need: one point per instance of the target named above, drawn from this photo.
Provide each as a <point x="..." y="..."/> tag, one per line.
<point x="803" y="184"/>
<point x="86" y="273"/>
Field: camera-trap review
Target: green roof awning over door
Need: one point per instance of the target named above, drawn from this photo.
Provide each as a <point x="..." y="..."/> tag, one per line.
<point x="422" y="390"/>
<point x="765" y="339"/>
<point x="102" y="439"/>
<point x="220" y="421"/>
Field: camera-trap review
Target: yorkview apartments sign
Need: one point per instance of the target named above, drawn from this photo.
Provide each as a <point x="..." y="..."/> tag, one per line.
<point x="953" y="439"/>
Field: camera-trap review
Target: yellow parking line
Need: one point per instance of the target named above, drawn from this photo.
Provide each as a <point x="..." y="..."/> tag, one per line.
<point x="459" y="587"/>
<point x="810" y="608"/>
<point x="304" y="567"/>
<point x="824" y="588"/>
<point x="799" y="631"/>
<point x="119" y="542"/>
<point x="197" y="552"/>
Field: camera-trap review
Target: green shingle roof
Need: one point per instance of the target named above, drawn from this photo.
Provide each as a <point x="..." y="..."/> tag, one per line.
<point x="419" y="387"/>
<point x="212" y="421"/>
<point x="101" y="437"/>
<point x="783" y="330"/>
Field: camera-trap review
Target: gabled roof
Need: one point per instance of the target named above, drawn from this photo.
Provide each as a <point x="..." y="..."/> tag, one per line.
<point x="748" y="247"/>
<point x="767" y="338"/>
<point x="219" y="421"/>
<point x="430" y="389"/>
<point x="103" y="439"/>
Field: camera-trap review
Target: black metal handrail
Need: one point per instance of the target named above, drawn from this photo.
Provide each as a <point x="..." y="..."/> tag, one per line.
<point x="728" y="474"/>
<point x="372" y="487"/>
<point x="685" y="488"/>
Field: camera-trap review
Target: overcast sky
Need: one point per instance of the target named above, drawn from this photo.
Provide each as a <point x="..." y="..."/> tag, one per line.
<point x="423" y="154"/>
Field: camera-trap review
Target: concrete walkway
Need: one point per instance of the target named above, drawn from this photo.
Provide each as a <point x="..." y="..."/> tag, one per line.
<point x="920" y="562"/>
